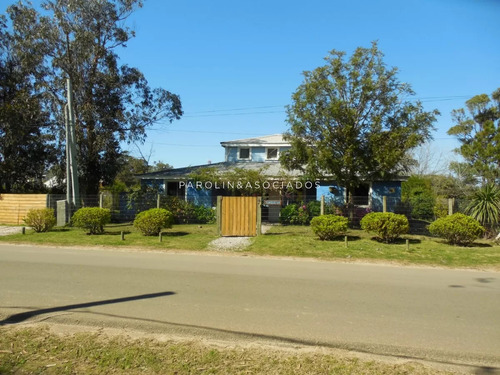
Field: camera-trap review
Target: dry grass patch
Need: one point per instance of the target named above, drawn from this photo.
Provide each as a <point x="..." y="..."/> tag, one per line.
<point x="37" y="351"/>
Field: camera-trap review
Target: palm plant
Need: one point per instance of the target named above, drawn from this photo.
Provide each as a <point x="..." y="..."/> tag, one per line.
<point x="485" y="207"/>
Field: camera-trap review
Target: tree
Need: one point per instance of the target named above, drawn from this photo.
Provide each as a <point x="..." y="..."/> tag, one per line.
<point x="478" y="131"/>
<point x="131" y="166"/>
<point x="114" y="103"/>
<point x="351" y="119"/>
<point x="26" y="146"/>
<point x="417" y="192"/>
<point x="485" y="207"/>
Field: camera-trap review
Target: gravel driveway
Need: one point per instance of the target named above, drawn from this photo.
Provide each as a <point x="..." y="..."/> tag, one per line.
<point x="6" y="230"/>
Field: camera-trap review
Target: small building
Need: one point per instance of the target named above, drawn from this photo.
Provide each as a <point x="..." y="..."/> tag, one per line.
<point x="277" y="186"/>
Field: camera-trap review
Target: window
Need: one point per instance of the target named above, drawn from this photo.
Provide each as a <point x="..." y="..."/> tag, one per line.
<point x="244" y="153"/>
<point x="361" y="195"/>
<point x="272" y="154"/>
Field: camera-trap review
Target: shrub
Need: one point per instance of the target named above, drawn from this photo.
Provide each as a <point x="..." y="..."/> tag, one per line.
<point x="289" y="214"/>
<point x="422" y="206"/>
<point x="386" y="225"/>
<point x="294" y="214"/>
<point x="187" y="212"/>
<point x="327" y="227"/>
<point x="457" y="229"/>
<point x="92" y="218"/>
<point x="314" y="208"/>
<point x="40" y="219"/>
<point x="204" y="215"/>
<point x="440" y="208"/>
<point x="152" y="221"/>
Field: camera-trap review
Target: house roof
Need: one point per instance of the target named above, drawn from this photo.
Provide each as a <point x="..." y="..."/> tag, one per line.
<point x="269" y="169"/>
<point x="265" y="141"/>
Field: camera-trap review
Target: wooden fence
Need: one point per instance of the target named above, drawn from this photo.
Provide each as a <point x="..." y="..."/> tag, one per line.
<point x="238" y="216"/>
<point x="14" y="207"/>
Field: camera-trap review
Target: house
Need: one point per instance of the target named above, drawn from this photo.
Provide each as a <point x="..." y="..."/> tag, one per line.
<point x="277" y="186"/>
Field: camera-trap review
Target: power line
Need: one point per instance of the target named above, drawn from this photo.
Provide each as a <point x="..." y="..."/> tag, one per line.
<point x="237" y="109"/>
<point x="252" y="110"/>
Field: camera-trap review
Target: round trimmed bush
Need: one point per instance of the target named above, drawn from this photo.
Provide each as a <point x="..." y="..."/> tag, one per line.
<point x="457" y="229"/>
<point x="327" y="227"/>
<point x="387" y="226"/>
<point x="152" y="221"/>
<point x="92" y="218"/>
<point x="40" y="219"/>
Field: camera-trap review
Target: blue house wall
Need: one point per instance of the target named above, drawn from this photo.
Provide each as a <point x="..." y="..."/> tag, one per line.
<point x="390" y="189"/>
<point x="232" y="154"/>
<point x="333" y="193"/>
<point x="200" y="197"/>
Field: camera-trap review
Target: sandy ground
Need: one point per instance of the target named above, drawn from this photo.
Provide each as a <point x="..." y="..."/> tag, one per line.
<point x="234" y="243"/>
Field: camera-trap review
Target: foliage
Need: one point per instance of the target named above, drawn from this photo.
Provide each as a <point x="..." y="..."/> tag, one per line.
<point x="131" y="166"/>
<point x="26" y="145"/>
<point x="294" y="214"/>
<point x="91" y="218"/>
<point x="40" y="219"/>
<point x="386" y="225"/>
<point x="184" y="212"/>
<point x="202" y="214"/>
<point x="143" y="198"/>
<point x="152" y="221"/>
<point x="478" y="131"/>
<point x="440" y="208"/>
<point x="422" y="206"/>
<point x="327" y="227"/>
<point x="353" y="120"/>
<point x="188" y="212"/>
<point x="415" y="185"/>
<point x="417" y="191"/>
<point x="485" y="207"/>
<point x="113" y="103"/>
<point x="457" y="229"/>
<point x="457" y="186"/>
<point x="314" y="208"/>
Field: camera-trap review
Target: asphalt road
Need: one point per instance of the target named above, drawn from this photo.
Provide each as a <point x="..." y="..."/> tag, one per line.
<point x="446" y="316"/>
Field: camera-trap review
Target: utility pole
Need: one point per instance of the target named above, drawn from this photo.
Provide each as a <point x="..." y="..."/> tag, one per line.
<point x="72" y="186"/>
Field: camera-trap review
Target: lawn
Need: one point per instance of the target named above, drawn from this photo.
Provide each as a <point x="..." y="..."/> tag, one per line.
<point x="37" y="351"/>
<point x="284" y="241"/>
<point x="299" y="241"/>
<point x="184" y="236"/>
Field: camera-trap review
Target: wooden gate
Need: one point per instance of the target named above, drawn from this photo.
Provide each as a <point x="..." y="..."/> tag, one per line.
<point x="238" y="216"/>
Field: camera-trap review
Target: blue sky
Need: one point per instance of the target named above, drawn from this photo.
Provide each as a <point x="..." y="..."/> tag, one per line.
<point x="235" y="64"/>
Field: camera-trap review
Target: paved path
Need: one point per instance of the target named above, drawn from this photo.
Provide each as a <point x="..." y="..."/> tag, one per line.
<point x="448" y="316"/>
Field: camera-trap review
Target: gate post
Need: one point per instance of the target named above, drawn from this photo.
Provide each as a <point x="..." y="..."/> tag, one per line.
<point x="259" y="216"/>
<point x="219" y="214"/>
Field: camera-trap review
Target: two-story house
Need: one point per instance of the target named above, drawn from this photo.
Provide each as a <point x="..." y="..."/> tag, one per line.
<point x="254" y="154"/>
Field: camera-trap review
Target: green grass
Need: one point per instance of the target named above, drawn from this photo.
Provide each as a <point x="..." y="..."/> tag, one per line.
<point x="295" y="241"/>
<point x="37" y="351"/>
<point x="299" y="241"/>
<point x="185" y="237"/>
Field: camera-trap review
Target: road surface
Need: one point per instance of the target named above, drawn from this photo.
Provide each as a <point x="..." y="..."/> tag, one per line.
<point x="445" y="316"/>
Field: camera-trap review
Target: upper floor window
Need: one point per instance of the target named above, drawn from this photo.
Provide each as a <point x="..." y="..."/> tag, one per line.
<point x="244" y="153"/>
<point x="272" y="154"/>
